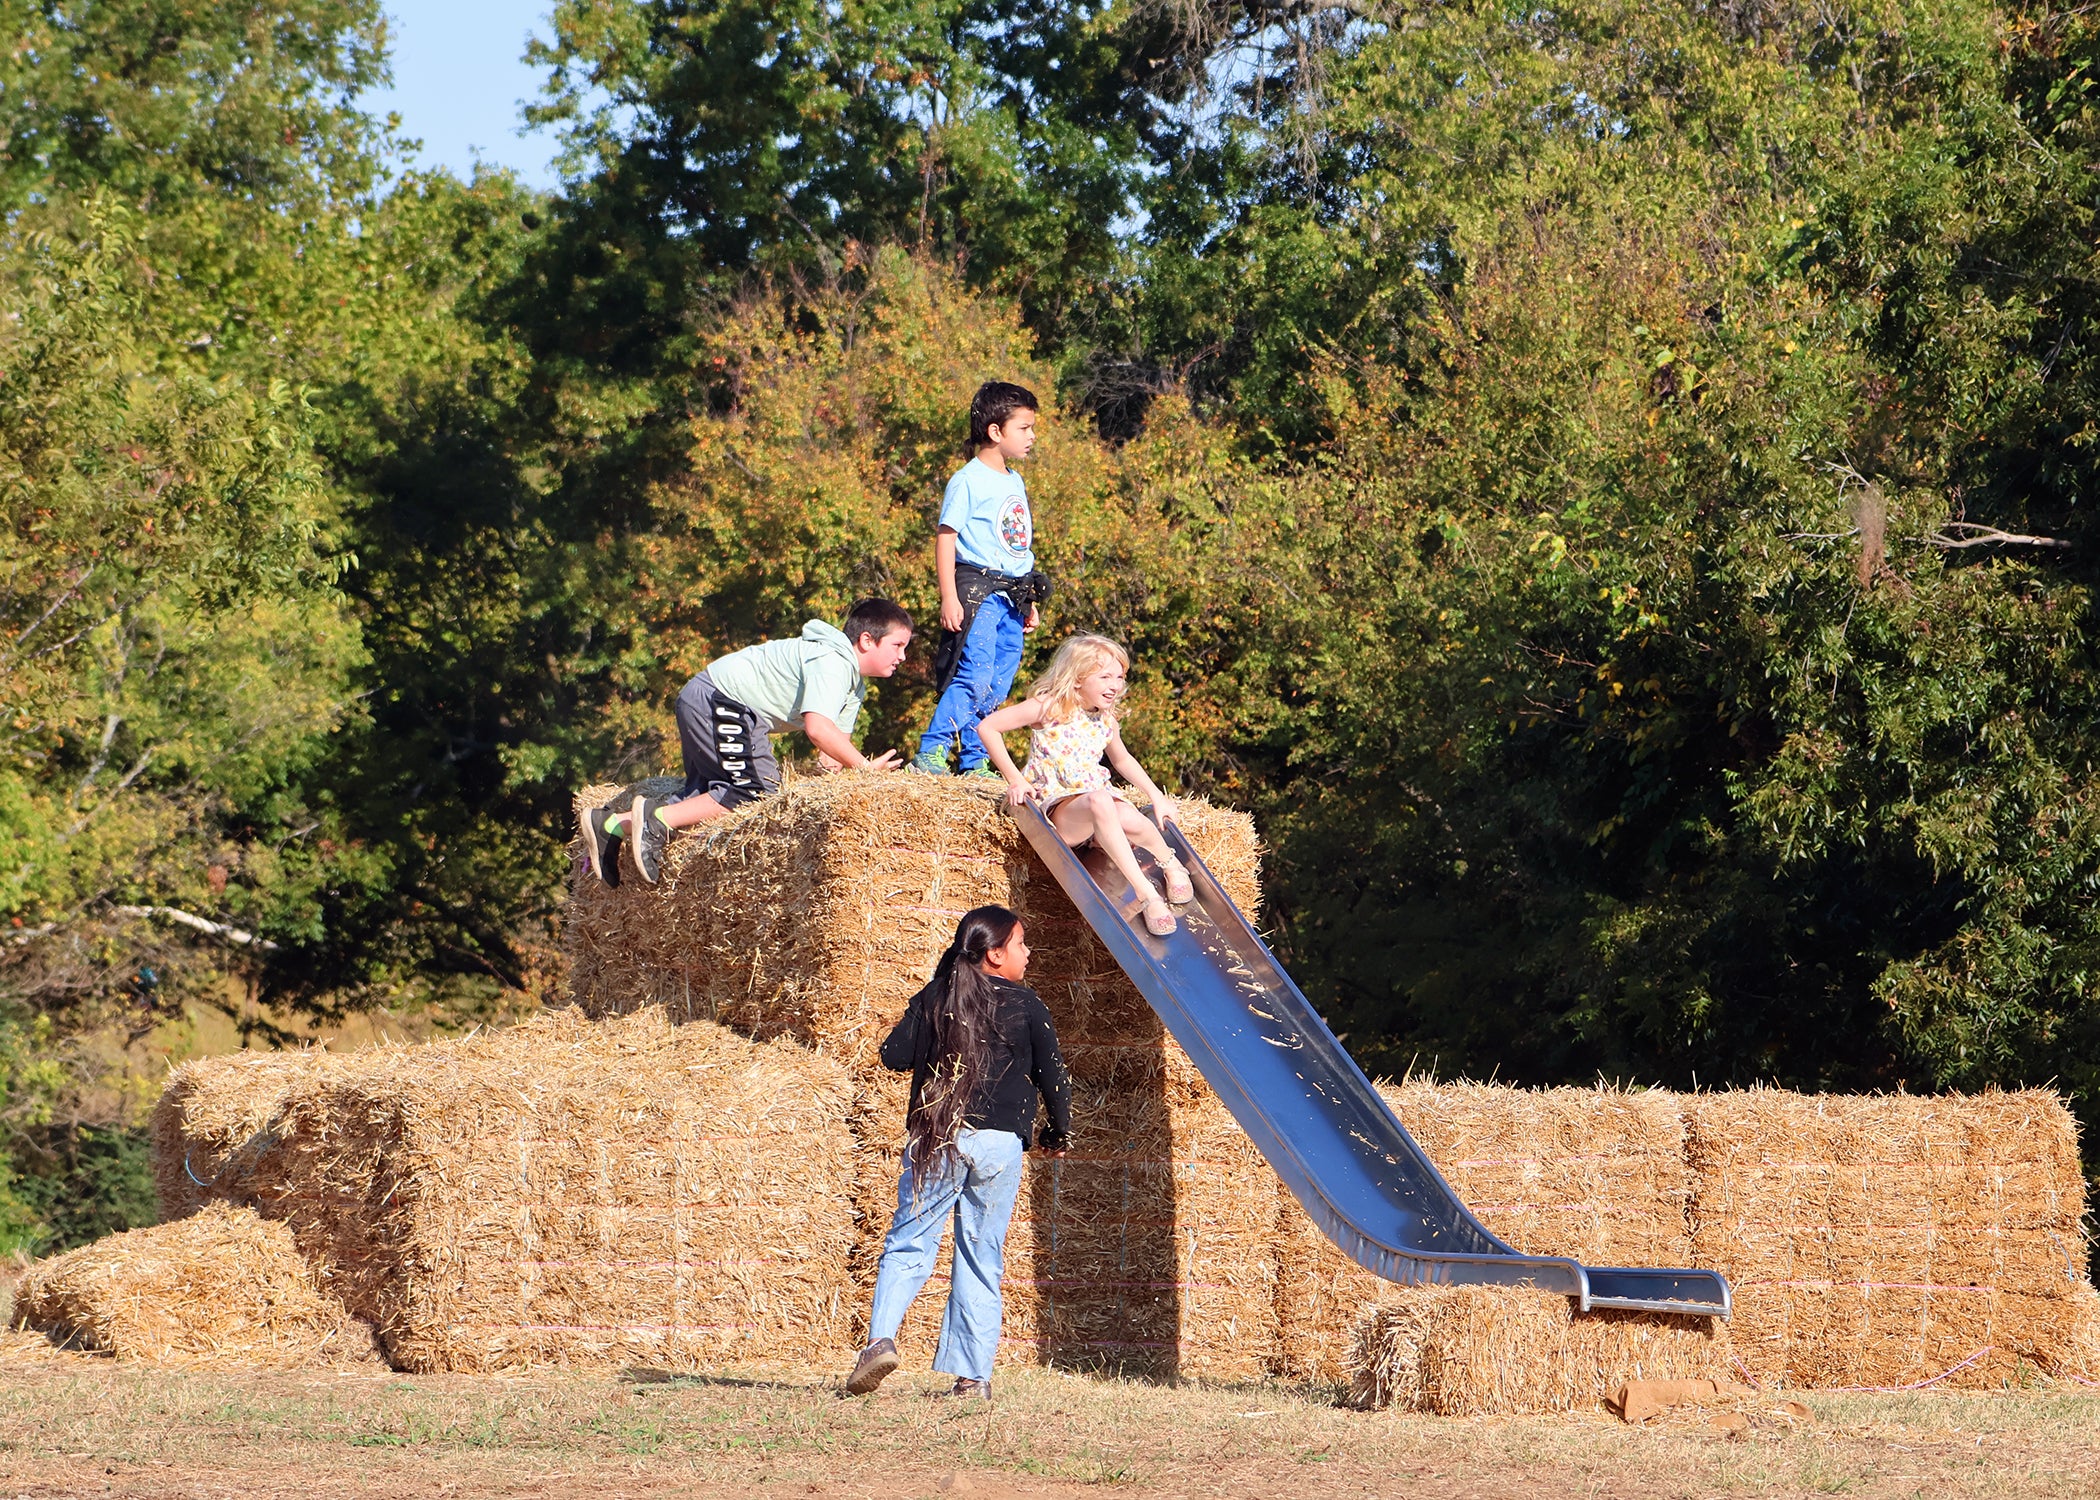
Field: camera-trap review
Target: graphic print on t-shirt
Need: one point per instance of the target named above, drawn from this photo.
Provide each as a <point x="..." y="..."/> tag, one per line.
<point x="1014" y="529"/>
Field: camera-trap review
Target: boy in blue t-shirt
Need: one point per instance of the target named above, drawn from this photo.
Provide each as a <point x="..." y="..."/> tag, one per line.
<point x="984" y="558"/>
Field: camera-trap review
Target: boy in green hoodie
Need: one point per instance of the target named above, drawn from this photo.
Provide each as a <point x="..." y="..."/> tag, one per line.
<point x="726" y="713"/>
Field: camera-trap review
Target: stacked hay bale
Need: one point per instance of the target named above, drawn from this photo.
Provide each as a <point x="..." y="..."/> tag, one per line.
<point x="1476" y="1351"/>
<point x="632" y="1181"/>
<point x="570" y="1192"/>
<point x="1598" y="1174"/>
<point x="816" y="914"/>
<point x="222" y="1289"/>
<point x="1869" y="1241"/>
<point x="213" y="1119"/>
<point x="1886" y="1240"/>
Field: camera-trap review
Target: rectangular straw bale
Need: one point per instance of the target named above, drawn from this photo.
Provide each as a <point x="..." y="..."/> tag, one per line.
<point x="221" y="1289"/>
<point x="1148" y="1247"/>
<point x="1849" y="1335"/>
<point x="1597" y="1174"/>
<point x="1886" y="1239"/>
<point x="1475" y="1351"/>
<point x="816" y="913"/>
<point x="211" y="1126"/>
<point x="574" y="1193"/>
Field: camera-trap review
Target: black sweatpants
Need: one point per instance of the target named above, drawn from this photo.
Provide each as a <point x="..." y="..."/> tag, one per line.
<point x="727" y="753"/>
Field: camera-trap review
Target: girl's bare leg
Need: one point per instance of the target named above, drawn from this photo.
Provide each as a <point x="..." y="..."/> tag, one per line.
<point x="1143" y="832"/>
<point x="1147" y="835"/>
<point x="1093" y="815"/>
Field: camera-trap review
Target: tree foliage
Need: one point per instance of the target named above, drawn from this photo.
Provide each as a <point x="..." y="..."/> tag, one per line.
<point x="1605" y="484"/>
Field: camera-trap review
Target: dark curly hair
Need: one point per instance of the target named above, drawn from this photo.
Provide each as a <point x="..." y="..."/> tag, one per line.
<point x="962" y="1019"/>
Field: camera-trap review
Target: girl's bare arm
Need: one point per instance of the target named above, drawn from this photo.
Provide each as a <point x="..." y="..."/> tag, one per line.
<point x="992" y="730"/>
<point x="1125" y="765"/>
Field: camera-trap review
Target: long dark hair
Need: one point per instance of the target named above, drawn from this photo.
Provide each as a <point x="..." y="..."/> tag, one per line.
<point x="962" y="1022"/>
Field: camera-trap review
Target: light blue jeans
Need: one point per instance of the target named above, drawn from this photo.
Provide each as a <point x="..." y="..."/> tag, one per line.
<point x="991" y="658"/>
<point x="980" y="1186"/>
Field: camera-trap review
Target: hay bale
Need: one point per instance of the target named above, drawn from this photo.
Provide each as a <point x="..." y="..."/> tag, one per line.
<point x="1493" y="1351"/>
<point x="578" y="1194"/>
<point x="1598" y="1174"/>
<point x="222" y="1289"/>
<point x="814" y="914"/>
<point x="213" y="1120"/>
<point x="1882" y="1240"/>
<point x="1149" y="1247"/>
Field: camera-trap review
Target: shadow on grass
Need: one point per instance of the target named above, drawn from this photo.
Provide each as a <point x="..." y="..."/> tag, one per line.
<point x="695" y="1379"/>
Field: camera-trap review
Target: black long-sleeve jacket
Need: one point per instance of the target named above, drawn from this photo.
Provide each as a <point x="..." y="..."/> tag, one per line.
<point x="1025" y="1062"/>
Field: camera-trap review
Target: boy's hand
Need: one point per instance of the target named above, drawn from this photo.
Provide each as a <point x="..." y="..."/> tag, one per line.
<point x="1035" y="617"/>
<point x="887" y="761"/>
<point x="951" y="614"/>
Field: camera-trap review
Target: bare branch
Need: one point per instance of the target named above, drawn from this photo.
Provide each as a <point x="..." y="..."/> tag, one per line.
<point x="110" y="726"/>
<point x="56" y="605"/>
<point x="200" y="924"/>
<point x="137" y="768"/>
<point x="1984" y="536"/>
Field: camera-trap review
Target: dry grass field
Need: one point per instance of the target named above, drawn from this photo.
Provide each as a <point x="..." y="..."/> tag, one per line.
<point x="86" y="1427"/>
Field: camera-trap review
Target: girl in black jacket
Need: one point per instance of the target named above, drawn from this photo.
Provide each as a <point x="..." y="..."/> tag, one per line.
<point x="980" y="1048"/>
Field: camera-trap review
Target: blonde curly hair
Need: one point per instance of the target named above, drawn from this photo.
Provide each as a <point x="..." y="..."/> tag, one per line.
<point x="1077" y="659"/>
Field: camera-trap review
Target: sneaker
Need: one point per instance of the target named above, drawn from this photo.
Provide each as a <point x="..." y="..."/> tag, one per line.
<point x="933" y="763"/>
<point x="968" y="1389"/>
<point x="648" y="837"/>
<point x="600" y="845"/>
<point x="984" y="770"/>
<point x="875" y="1362"/>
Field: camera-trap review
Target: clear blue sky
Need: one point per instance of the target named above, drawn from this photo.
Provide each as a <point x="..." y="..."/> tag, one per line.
<point x="459" y="82"/>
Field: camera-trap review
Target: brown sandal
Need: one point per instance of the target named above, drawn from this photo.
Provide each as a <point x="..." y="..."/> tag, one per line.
<point x="1159" y="918"/>
<point x="1180" y="890"/>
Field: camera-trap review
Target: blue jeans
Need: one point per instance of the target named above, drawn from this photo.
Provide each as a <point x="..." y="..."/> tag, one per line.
<point x="980" y="1186"/>
<point x="991" y="655"/>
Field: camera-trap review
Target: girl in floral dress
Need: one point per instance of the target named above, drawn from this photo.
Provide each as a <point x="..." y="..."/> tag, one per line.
<point x="1070" y="714"/>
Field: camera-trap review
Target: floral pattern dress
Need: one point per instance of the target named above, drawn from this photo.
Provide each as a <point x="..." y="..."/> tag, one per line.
<point x="1065" y="759"/>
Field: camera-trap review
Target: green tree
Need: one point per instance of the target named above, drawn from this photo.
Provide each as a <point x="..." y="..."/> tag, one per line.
<point x="1677" y="661"/>
<point x="175" y="645"/>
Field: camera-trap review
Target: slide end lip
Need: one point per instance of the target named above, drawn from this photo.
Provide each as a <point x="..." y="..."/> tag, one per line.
<point x="1690" y="1291"/>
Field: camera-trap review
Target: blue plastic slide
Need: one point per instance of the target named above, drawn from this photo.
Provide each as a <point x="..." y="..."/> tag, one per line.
<point x="1307" y="1105"/>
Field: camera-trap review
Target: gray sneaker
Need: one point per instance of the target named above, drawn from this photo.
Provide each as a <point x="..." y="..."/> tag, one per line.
<point x="967" y="1389"/>
<point x="599" y="845"/>
<point x="875" y="1362"/>
<point x="648" y="838"/>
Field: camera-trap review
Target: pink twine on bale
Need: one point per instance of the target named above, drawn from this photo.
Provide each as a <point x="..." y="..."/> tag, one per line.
<point x="1919" y="1385"/>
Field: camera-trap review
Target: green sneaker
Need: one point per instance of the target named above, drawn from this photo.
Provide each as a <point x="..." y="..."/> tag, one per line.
<point x="933" y="763"/>
<point x="984" y="771"/>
